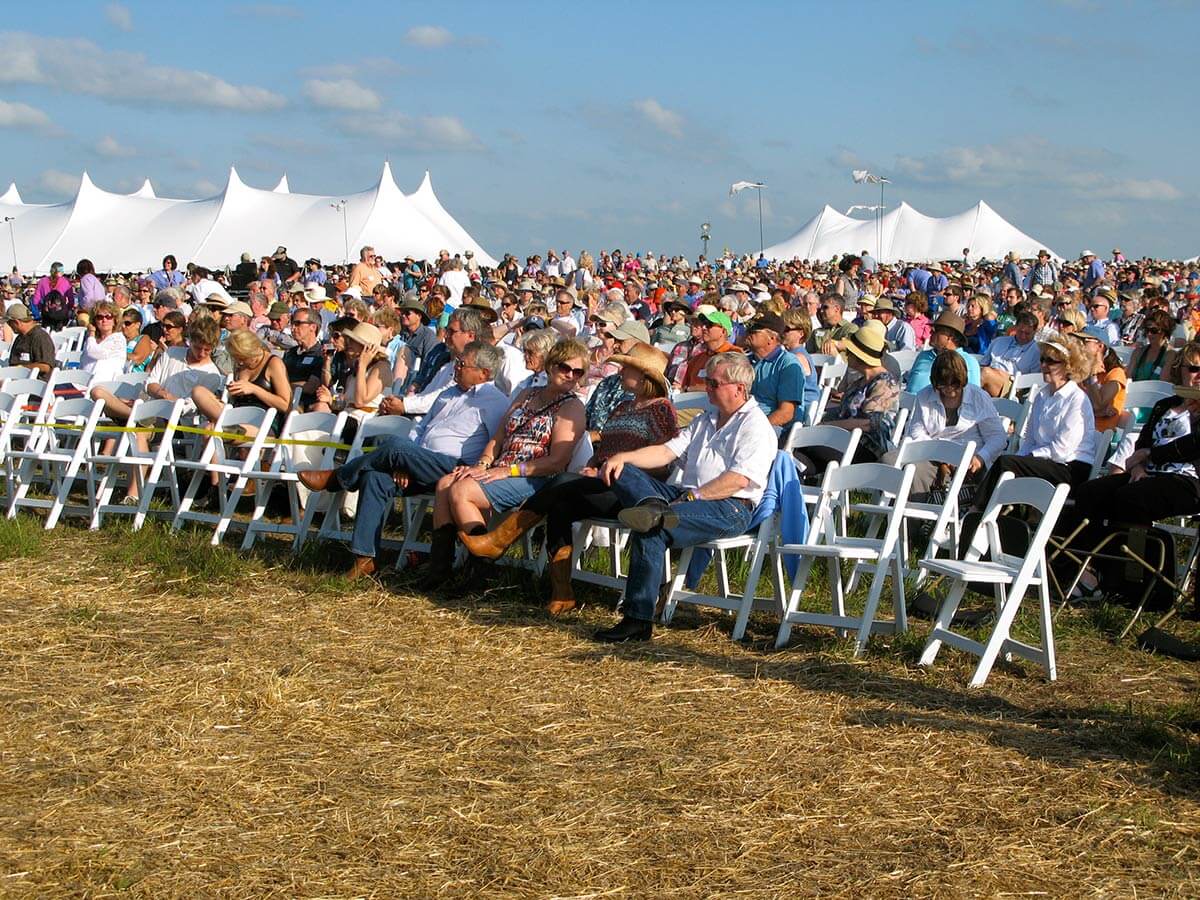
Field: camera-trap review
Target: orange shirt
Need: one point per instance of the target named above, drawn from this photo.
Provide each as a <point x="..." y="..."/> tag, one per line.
<point x="693" y="379"/>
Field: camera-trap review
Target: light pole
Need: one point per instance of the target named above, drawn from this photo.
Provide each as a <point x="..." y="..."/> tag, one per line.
<point x="704" y="230"/>
<point x="340" y="206"/>
<point x="760" y="230"/>
<point x="9" y="220"/>
<point x="860" y="176"/>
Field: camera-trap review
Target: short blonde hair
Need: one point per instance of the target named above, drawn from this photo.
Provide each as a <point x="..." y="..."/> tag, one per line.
<point x="797" y="318"/>
<point x="567" y="348"/>
<point x="1079" y="365"/>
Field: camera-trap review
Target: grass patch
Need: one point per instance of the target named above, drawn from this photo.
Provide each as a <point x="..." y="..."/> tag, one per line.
<point x="184" y="560"/>
<point x="21" y="538"/>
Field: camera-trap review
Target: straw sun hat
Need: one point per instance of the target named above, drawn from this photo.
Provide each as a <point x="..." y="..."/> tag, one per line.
<point x="868" y="343"/>
<point x="650" y="361"/>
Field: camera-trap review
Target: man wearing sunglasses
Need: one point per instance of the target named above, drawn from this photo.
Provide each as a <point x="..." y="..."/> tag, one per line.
<point x="1098" y="310"/>
<point x="726" y="455"/>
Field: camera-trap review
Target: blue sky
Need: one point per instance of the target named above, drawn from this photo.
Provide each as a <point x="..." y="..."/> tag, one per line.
<point x="623" y="124"/>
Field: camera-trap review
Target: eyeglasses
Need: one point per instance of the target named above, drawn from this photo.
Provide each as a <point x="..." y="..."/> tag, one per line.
<point x="459" y="365"/>
<point x="712" y="384"/>
<point x="1155" y="331"/>
<point x="104" y="316"/>
<point x="1098" y="306"/>
<point x="569" y="370"/>
<point x="173" y="328"/>
<point x="1050" y="361"/>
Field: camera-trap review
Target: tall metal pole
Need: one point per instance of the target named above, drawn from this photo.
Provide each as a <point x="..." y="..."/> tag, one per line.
<point x="345" y="233"/>
<point x="12" y="237"/>
<point x="879" y="235"/>
<point x="760" y="229"/>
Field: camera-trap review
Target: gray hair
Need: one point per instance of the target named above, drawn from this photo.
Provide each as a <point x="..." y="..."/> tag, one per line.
<point x="470" y="320"/>
<point x="486" y="356"/>
<point x="539" y="341"/>
<point x="737" y="367"/>
<point x="123" y="291"/>
<point x="618" y="309"/>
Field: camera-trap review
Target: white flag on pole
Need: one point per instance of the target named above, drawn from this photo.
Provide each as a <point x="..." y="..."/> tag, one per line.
<point x="742" y="185"/>
<point x="861" y="175"/>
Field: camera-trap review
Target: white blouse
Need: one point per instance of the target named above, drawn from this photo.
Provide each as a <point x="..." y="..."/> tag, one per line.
<point x="978" y="421"/>
<point x="1061" y="426"/>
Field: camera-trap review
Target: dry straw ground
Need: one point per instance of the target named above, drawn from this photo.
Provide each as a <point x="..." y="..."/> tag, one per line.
<point x="179" y="721"/>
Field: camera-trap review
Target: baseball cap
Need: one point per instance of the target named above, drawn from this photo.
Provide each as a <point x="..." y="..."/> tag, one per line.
<point x="716" y="317"/>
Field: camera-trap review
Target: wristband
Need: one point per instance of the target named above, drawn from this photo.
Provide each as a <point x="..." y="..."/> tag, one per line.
<point x="514" y="470"/>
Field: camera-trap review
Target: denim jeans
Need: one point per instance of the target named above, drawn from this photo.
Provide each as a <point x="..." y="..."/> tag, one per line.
<point x="372" y="475"/>
<point x="699" y="521"/>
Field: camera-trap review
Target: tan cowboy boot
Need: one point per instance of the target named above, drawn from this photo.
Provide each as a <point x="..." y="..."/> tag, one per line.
<point x="562" y="598"/>
<point x="492" y="544"/>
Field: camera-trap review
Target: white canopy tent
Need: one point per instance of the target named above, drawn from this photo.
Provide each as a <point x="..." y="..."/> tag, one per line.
<point x="909" y="235"/>
<point x="132" y="232"/>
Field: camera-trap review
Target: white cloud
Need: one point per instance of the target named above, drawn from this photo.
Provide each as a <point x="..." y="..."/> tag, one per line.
<point x="110" y="146"/>
<point x="119" y="16"/>
<point x="205" y="188"/>
<point x="32" y="59"/>
<point x="341" y="93"/>
<point x="428" y="36"/>
<point x="61" y="184"/>
<point x="665" y="120"/>
<point x="415" y="132"/>
<point x="21" y="115"/>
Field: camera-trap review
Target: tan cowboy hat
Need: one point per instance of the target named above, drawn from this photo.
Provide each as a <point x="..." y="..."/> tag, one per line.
<point x="364" y="333"/>
<point x="868" y="343"/>
<point x="315" y="294"/>
<point x="650" y="361"/>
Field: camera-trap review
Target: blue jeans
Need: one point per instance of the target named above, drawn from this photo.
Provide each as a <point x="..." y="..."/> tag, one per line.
<point x="372" y="475"/>
<point x="699" y="521"/>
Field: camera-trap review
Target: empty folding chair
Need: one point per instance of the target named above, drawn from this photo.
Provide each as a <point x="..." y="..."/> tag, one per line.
<point x="829" y="538"/>
<point x="286" y="460"/>
<point x="20" y="405"/>
<point x="128" y="457"/>
<point x="1011" y="576"/>
<point x="59" y="450"/>
<point x="840" y="440"/>
<point x="216" y="459"/>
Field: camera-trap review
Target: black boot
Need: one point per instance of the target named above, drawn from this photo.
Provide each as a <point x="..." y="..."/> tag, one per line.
<point x="626" y="630"/>
<point x="441" y="558"/>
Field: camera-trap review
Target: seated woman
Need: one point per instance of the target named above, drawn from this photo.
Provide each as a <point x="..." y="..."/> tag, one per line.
<point x="534" y="347"/>
<point x="539" y="434"/>
<point x="1105" y="385"/>
<point x="367" y="374"/>
<point x="950" y="409"/>
<point x="870" y="397"/>
<point x="139" y="348"/>
<point x="1060" y="433"/>
<point x="1152" y="361"/>
<point x="259" y="379"/>
<point x="799" y="327"/>
<point x="981" y="323"/>
<point x="648" y="418"/>
<point x="1160" y="478"/>
<point x="103" y="351"/>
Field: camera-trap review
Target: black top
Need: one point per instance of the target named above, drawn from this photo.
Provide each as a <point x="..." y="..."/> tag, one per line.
<point x="34" y="347"/>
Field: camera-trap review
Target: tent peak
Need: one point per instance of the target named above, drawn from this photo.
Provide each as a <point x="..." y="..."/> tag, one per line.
<point x="12" y="195"/>
<point x="283" y="187"/>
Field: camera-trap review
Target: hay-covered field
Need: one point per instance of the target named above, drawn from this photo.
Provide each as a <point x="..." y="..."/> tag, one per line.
<point x="180" y="721"/>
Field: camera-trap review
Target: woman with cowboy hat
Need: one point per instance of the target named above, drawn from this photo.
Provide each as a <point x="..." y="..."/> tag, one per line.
<point x="870" y="394"/>
<point x="648" y="418"/>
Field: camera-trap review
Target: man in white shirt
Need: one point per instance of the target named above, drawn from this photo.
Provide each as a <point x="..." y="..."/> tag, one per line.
<point x="1098" y="310"/>
<point x="458" y="427"/>
<point x="568" y="264"/>
<point x="726" y="455"/>
<point x="454" y="280"/>
<point x="1010" y="356"/>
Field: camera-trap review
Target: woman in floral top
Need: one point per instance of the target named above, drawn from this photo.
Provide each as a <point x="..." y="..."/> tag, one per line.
<point x="645" y="419"/>
<point x="872" y="401"/>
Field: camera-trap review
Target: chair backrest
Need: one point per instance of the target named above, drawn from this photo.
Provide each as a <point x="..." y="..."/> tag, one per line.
<point x="816" y="409"/>
<point x="840" y="439"/>
<point x="691" y="400"/>
<point x="582" y="453"/>
<point x="820" y="360"/>
<point x="75" y="377"/>
<point x="121" y="388"/>
<point x="1026" y="382"/>
<point x="1124" y="353"/>
<point x="893" y="366"/>
<point x="889" y="486"/>
<point x="1103" y="445"/>
<point x="1036" y="493"/>
<point x="1138" y="394"/>
<point x="833" y="372"/>
<point x="904" y="359"/>
<point x="25" y="387"/>
<point x="899" y="425"/>
<point x="377" y="427"/>
<point x="7" y="372"/>
<point x="68" y="358"/>
<point x="908" y="401"/>
<point x="935" y="450"/>
<point x="74" y="336"/>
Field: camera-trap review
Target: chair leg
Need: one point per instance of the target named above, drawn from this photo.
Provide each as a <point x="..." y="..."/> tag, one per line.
<point x="743" y="617"/>
<point x="799" y="583"/>
<point x="941" y="622"/>
<point x="997" y="639"/>
<point x="1046" y="621"/>
<point x="872" y="604"/>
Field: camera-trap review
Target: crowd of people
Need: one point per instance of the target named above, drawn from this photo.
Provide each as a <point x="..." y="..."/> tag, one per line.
<point x="543" y="391"/>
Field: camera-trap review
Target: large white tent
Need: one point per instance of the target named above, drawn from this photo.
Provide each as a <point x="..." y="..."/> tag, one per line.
<point x="132" y="232"/>
<point x="908" y="235"/>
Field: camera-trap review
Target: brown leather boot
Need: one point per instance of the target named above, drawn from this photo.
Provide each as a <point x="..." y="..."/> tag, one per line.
<point x="441" y="559"/>
<point x="315" y="479"/>
<point x="562" y="597"/>
<point x="492" y="544"/>
<point x="364" y="567"/>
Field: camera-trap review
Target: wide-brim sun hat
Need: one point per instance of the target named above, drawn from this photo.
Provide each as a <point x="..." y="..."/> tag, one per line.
<point x="650" y="361"/>
<point x="364" y="333"/>
<point x="868" y="343"/>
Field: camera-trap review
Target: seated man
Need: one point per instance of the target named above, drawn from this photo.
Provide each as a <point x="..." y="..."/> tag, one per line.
<point x="778" y="378"/>
<point x="726" y="454"/>
<point x="834" y="326"/>
<point x="461" y="421"/>
<point x="1011" y="355"/>
<point x="32" y="347"/>
<point x="465" y="327"/>
<point x="948" y="334"/>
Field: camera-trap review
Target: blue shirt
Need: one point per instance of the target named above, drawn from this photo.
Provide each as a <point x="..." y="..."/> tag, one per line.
<point x="918" y="376"/>
<point x="778" y="378"/>
<point x="812" y="387"/>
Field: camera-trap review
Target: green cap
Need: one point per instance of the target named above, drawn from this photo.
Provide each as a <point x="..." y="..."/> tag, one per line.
<point x="719" y="318"/>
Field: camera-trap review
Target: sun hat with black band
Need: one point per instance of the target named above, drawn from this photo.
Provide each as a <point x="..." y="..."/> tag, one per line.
<point x="868" y="343"/>
<point x="364" y="333"/>
<point x="484" y="309"/>
<point x="412" y="301"/>
<point x="952" y="322"/>
<point x="650" y="361"/>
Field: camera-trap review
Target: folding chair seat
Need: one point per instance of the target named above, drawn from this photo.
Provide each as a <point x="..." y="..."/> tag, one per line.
<point x="216" y="459"/>
<point x="328" y="504"/>
<point x="128" y="457"/>
<point x="59" y="448"/>
<point x="286" y="460"/>
<point x="829" y="539"/>
<point x="1011" y="575"/>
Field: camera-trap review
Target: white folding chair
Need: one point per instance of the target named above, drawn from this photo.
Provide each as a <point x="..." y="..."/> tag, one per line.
<point x="1014" y="413"/>
<point x="816" y="409"/>
<point x="215" y="459"/>
<point x="756" y="544"/>
<point x="59" y="448"/>
<point x="21" y="404"/>
<point x="1142" y="395"/>
<point x="1025" y="382"/>
<point x="829" y="436"/>
<point x="68" y="359"/>
<point x="899" y="425"/>
<point x="832" y="373"/>
<point x="943" y="516"/>
<point x="74" y="336"/>
<point x="904" y="361"/>
<point x="10" y="373"/>
<point x="829" y="539"/>
<point x="1011" y="575"/>
<point x="286" y="461"/>
<point x="127" y="456"/>
<point x="370" y="433"/>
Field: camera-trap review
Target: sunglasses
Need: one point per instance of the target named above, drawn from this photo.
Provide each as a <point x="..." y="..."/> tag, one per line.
<point x="1050" y="361"/>
<point x="1193" y="370"/>
<point x="105" y="316"/>
<point x="712" y="384"/>
<point x="1098" y="306"/>
<point x="1155" y="331"/>
<point x="126" y="324"/>
<point x="573" y="372"/>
